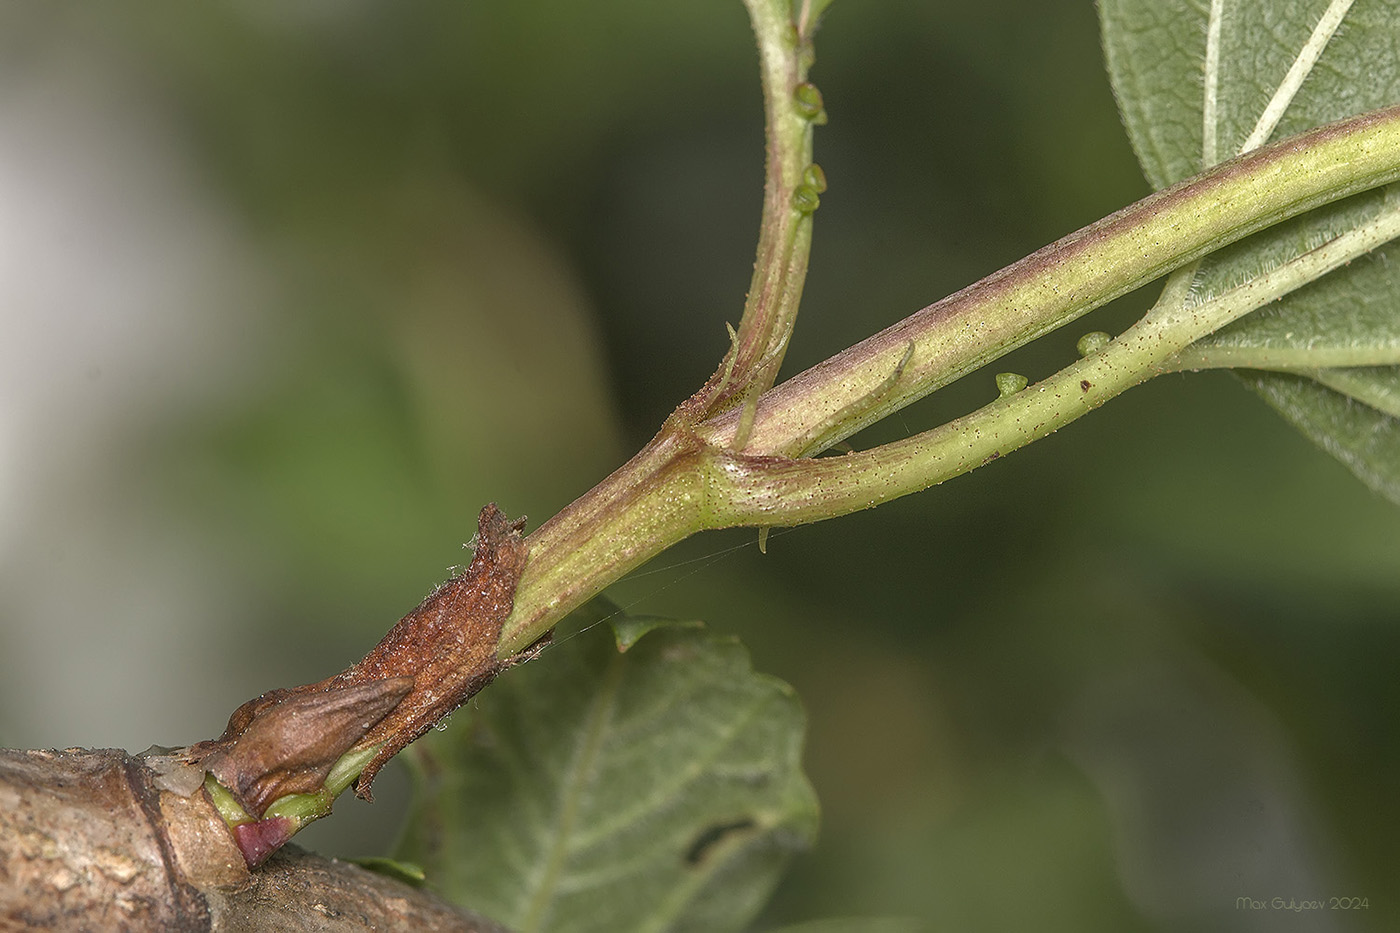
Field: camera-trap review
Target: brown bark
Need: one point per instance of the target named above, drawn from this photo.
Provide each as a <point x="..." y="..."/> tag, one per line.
<point x="89" y="842"/>
<point x="292" y="746"/>
<point x="99" y="840"/>
<point x="430" y="663"/>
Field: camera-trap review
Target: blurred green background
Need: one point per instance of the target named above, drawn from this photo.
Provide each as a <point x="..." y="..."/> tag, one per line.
<point x="290" y="289"/>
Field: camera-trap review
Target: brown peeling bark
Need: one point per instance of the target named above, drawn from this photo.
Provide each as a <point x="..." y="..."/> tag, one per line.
<point x="99" y="840"/>
<point x="88" y="842"/>
<point x="290" y="748"/>
<point x="448" y="644"/>
<point x="430" y="663"/>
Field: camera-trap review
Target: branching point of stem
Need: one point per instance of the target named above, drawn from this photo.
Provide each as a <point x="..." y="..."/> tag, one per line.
<point x="728" y="470"/>
<point x="1071" y="277"/>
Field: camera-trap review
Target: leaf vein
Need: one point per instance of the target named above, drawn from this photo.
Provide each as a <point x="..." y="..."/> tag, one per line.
<point x="1298" y="72"/>
<point x="663" y="794"/>
<point x="589" y="749"/>
<point x="1210" y="102"/>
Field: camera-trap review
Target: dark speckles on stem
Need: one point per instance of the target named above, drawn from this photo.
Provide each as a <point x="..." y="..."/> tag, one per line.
<point x="1085" y="385"/>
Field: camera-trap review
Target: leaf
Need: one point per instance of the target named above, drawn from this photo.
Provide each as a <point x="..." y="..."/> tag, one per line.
<point x="1377" y="386"/>
<point x="628" y="630"/>
<point x="593" y="790"/>
<point x="1345" y="319"/>
<point x="1163" y="72"/>
<point x="1330" y="330"/>
<point x="1366" y="440"/>
<point x="1196" y="83"/>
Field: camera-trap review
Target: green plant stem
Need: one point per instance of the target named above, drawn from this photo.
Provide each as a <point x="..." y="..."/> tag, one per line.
<point x="300" y="809"/>
<point x="1310" y="360"/>
<point x="688" y="478"/>
<point x="1065" y="280"/>
<point x="653" y="501"/>
<point x="232" y="812"/>
<point x="781" y="491"/>
<point x="1354" y="382"/>
<point x="656" y="499"/>
<point x="785" y="232"/>
<point x="304" y="808"/>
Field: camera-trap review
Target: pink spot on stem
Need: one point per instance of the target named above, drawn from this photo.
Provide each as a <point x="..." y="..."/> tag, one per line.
<point x="259" y="840"/>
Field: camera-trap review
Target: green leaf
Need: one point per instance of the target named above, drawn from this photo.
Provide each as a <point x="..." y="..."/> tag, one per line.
<point x="1197" y="83"/>
<point x="1162" y="72"/>
<point x="1377" y="386"/>
<point x="659" y="789"/>
<point x="628" y="630"/>
<point x="1366" y="440"/>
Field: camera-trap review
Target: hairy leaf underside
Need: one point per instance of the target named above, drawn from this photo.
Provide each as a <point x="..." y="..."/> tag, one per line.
<point x="1198" y="82"/>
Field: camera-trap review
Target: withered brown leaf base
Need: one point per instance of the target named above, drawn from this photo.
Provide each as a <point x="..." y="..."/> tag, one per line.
<point x="430" y="663"/>
<point x="288" y="747"/>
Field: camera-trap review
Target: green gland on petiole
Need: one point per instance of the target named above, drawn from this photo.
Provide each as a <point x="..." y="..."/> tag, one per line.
<point x="1092" y="342"/>
<point x="806" y="199"/>
<point x="807" y="101"/>
<point x="1009" y="384"/>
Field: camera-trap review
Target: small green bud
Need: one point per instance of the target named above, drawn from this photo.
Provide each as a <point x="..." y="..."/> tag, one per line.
<point x="1010" y="383"/>
<point x="807" y="100"/>
<point x="813" y="177"/>
<point x="805" y="199"/>
<point x="1092" y="342"/>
